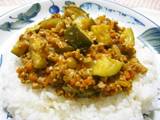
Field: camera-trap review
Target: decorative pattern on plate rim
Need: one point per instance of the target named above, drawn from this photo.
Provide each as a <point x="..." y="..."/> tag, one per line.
<point x="22" y="18"/>
<point x="9" y="115"/>
<point x="1" y="59"/>
<point x="151" y="37"/>
<point x="95" y="6"/>
<point x="25" y="18"/>
<point x="54" y="8"/>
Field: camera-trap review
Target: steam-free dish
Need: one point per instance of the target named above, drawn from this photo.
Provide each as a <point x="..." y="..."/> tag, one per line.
<point x="78" y="56"/>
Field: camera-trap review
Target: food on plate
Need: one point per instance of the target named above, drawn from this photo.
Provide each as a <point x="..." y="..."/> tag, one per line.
<point x="78" y="56"/>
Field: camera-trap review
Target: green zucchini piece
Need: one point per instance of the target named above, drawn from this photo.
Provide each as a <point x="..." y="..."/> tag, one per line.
<point x="39" y="62"/>
<point x="36" y="44"/>
<point x="50" y="23"/>
<point x="129" y="37"/>
<point x="69" y="89"/>
<point x="74" y="10"/>
<point x="71" y="62"/>
<point x="38" y="59"/>
<point x="86" y="93"/>
<point x="77" y="38"/>
<point x="33" y="29"/>
<point x="20" y="48"/>
<point x="84" y="22"/>
<point x="106" y="67"/>
<point x="102" y="33"/>
<point x="65" y="49"/>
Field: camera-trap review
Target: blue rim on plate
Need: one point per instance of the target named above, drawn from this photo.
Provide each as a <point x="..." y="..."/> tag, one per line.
<point x="135" y="12"/>
<point x="8" y="12"/>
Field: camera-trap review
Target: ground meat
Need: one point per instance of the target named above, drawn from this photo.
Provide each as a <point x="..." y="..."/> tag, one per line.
<point x="68" y="70"/>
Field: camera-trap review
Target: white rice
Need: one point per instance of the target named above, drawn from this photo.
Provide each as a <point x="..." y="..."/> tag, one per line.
<point x="25" y="103"/>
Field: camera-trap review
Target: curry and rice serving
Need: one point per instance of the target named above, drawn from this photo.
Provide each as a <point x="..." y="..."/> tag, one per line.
<point x="78" y="56"/>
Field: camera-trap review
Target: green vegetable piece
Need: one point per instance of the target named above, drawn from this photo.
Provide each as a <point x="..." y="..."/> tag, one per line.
<point x="69" y="89"/>
<point x="102" y="33"/>
<point x="39" y="62"/>
<point x="71" y="62"/>
<point x="86" y="93"/>
<point x="34" y="28"/>
<point x="77" y="38"/>
<point x="50" y="23"/>
<point x="36" y="46"/>
<point x="65" y="49"/>
<point x="74" y="10"/>
<point x="84" y="22"/>
<point x="129" y="37"/>
<point x="20" y="48"/>
<point x="106" y="67"/>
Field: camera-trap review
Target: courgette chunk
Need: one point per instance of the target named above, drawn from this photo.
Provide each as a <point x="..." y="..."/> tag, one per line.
<point x="36" y="48"/>
<point x="39" y="62"/>
<point x="50" y="23"/>
<point x="102" y="33"/>
<point x="106" y="67"/>
<point x="75" y="11"/>
<point x="84" y="23"/>
<point x="129" y="39"/>
<point x="77" y="38"/>
<point x="20" y="48"/>
<point x="65" y="49"/>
